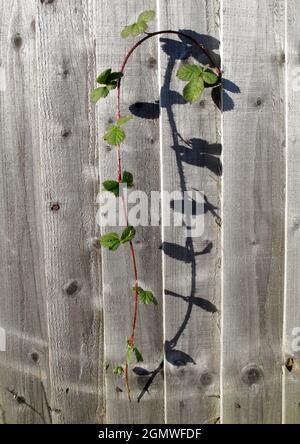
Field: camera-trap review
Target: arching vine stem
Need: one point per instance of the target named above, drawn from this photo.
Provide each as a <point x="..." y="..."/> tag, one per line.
<point x="119" y="168"/>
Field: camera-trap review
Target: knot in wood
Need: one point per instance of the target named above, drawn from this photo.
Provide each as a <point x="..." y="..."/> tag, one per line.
<point x="251" y="374"/>
<point x="151" y="63"/>
<point x="71" y="288"/>
<point x="55" y="206"/>
<point x="206" y="378"/>
<point x="17" y="40"/>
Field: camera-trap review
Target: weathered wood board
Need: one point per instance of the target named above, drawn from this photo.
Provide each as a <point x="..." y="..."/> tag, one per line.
<point x="141" y="157"/>
<point x="291" y="340"/>
<point x="190" y="144"/>
<point x="69" y="186"/>
<point x="24" y="375"/>
<point x="253" y="211"/>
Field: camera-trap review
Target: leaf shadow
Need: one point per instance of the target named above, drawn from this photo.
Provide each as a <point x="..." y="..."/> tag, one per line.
<point x="205" y="304"/>
<point x="198" y="153"/>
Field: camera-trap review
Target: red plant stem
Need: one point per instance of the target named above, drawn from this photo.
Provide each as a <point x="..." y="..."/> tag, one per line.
<point x="136" y="296"/>
<point x="127" y="382"/>
<point x="119" y="171"/>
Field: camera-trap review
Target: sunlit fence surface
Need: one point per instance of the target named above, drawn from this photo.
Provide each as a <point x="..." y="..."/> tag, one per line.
<point x="223" y="342"/>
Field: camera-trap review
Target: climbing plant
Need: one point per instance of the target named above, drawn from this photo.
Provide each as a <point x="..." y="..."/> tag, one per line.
<point x="196" y="77"/>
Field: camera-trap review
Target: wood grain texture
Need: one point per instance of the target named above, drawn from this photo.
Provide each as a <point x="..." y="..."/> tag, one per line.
<point x="291" y="349"/>
<point x="24" y="372"/>
<point x="253" y="211"/>
<point x="69" y="187"/>
<point x="140" y="155"/>
<point x="190" y="137"/>
<point x="65" y="307"/>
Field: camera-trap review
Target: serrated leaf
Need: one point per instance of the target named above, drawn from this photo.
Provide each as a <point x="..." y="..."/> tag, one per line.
<point x="128" y="234"/>
<point x="114" y="135"/>
<point x="99" y="93"/>
<point x="110" y="241"/>
<point x="146" y="16"/>
<point x="103" y="77"/>
<point x="209" y="77"/>
<point x="138" y="28"/>
<point x="112" y="186"/>
<point x="126" y="32"/>
<point x="138" y="355"/>
<point x="146" y="297"/>
<point x="124" y="119"/>
<point x="128" y="179"/>
<point x="188" y="72"/>
<point x="193" y="90"/>
<point x="108" y="78"/>
<point x="118" y="370"/>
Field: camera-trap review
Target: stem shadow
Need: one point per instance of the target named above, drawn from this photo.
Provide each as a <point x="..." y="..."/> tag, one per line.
<point x="199" y="153"/>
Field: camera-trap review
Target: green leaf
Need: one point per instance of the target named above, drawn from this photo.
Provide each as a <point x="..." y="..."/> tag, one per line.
<point x="193" y="90"/>
<point x="129" y="354"/>
<point x="188" y="72"/>
<point x="126" y="32"/>
<point x="146" y="297"/>
<point x="138" y="355"/>
<point x="103" y="77"/>
<point x="111" y="86"/>
<point x="110" y="241"/>
<point x="128" y="179"/>
<point x="112" y="186"/>
<point x="107" y="77"/>
<point x="118" y="370"/>
<point x="114" y="135"/>
<point x="209" y="77"/>
<point x="124" y="119"/>
<point x="138" y="28"/>
<point x="146" y="16"/>
<point x="128" y="234"/>
<point x="115" y="76"/>
<point x="98" y="93"/>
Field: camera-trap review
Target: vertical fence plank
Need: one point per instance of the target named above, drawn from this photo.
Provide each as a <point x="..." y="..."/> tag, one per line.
<point x="23" y="366"/>
<point x="191" y="147"/>
<point x="253" y="210"/>
<point x="140" y="155"/>
<point x="292" y="304"/>
<point x="69" y="188"/>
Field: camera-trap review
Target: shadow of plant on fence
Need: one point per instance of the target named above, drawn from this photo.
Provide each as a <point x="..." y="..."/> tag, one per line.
<point x="196" y="152"/>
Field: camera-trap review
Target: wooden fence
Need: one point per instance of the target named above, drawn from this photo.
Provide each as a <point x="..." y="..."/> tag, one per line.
<point x="228" y="318"/>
